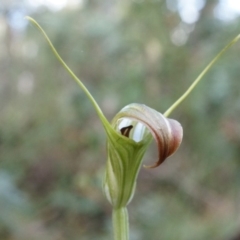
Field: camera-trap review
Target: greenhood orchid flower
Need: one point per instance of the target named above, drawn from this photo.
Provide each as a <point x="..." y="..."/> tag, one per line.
<point x="134" y="126"/>
<point x="128" y="137"/>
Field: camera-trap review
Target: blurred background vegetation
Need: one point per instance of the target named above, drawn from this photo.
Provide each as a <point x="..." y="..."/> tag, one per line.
<point x="52" y="145"/>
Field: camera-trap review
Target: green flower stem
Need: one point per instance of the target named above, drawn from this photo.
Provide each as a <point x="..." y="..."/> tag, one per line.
<point x="167" y="113"/>
<point x="120" y="223"/>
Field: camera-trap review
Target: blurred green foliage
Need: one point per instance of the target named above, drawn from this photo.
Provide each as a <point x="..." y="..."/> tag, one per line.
<point x="52" y="145"/>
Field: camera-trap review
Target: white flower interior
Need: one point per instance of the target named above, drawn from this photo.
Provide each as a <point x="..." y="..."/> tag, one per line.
<point x="137" y="133"/>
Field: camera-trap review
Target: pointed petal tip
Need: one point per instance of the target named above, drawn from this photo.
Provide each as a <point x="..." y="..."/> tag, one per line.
<point x="151" y="166"/>
<point x="169" y="144"/>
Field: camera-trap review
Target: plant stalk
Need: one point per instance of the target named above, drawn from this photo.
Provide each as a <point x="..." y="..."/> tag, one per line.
<point x="120" y="223"/>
